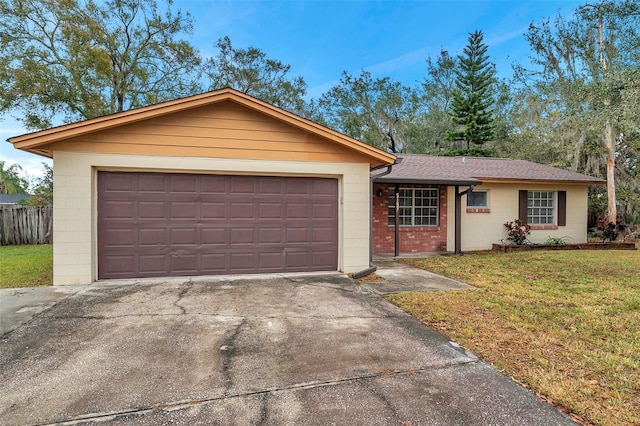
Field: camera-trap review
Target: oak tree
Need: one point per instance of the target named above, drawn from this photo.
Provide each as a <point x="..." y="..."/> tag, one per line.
<point x="587" y="92"/>
<point x="250" y="71"/>
<point x="67" y="60"/>
<point x="377" y="111"/>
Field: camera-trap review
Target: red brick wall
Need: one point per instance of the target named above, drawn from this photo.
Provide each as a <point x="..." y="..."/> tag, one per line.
<point x="413" y="239"/>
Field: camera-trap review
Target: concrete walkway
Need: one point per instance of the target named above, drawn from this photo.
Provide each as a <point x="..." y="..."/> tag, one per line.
<point x="19" y="305"/>
<point x="306" y="349"/>
<point x="399" y="276"/>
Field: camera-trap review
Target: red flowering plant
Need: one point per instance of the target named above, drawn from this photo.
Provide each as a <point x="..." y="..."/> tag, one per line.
<point x="517" y="231"/>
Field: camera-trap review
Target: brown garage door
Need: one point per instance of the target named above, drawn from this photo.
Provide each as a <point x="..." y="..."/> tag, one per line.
<point x="163" y="224"/>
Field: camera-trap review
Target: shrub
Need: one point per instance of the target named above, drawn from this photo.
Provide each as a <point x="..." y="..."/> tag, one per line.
<point x="517" y="231"/>
<point x="612" y="230"/>
<point x="556" y="241"/>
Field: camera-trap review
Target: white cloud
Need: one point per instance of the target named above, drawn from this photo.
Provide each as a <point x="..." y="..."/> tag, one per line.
<point x="400" y="62"/>
<point x="498" y="39"/>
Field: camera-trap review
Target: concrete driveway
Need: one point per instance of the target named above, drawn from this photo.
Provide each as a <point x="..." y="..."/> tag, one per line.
<point x="266" y="350"/>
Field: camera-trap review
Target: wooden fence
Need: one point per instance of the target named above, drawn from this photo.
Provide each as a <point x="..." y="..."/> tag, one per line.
<point x="25" y="225"/>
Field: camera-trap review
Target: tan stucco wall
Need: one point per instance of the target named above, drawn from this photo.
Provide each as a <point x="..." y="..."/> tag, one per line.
<point x="481" y="230"/>
<point x="74" y="216"/>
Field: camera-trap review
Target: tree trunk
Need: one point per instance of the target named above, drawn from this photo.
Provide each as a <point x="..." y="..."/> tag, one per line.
<point x="609" y="141"/>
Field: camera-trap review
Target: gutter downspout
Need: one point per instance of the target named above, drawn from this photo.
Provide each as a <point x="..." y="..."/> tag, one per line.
<point x="458" y="215"/>
<point x="372" y="268"/>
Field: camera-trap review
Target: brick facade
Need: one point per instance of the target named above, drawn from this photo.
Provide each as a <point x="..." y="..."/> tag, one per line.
<point x="413" y="239"/>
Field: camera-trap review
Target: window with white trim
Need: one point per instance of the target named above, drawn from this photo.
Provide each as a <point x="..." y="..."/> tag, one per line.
<point x="418" y="206"/>
<point x="541" y="208"/>
<point x="478" y="199"/>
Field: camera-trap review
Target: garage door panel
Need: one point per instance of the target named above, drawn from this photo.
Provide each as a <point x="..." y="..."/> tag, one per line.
<point x="242" y="262"/>
<point x="183" y="263"/>
<point x="214" y="263"/>
<point x="298" y="187"/>
<point x="241" y="210"/>
<point x="118" y="209"/>
<point x="213" y="184"/>
<point x="270" y="187"/>
<point x="270" y="261"/>
<point x="296" y="259"/>
<point x="297" y="235"/>
<point x="184" y="184"/>
<point x="121" y="237"/>
<point x="240" y="236"/>
<point x="213" y="210"/>
<point x="120" y="264"/>
<point x="242" y="185"/>
<point x="153" y="264"/>
<point x="153" y="183"/>
<point x="324" y="211"/>
<point x="183" y="210"/>
<point x="324" y="187"/>
<point x="323" y="235"/>
<point x="270" y="236"/>
<point x="151" y="210"/>
<point x="297" y="211"/>
<point x="122" y="182"/>
<point x="214" y="236"/>
<point x="184" y="236"/>
<point x="270" y="211"/>
<point x="151" y="236"/>
<point x="155" y="224"/>
<point x="323" y="259"/>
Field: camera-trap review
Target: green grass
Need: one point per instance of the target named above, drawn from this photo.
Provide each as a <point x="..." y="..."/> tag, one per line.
<point x="26" y="266"/>
<point x="564" y="323"/>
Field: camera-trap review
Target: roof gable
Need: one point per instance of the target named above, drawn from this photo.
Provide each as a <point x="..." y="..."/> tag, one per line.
<point x="265" y="118"/>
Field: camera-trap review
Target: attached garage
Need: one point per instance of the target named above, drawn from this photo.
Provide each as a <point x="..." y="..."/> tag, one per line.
<point x="217" y="183"/>
<point x="168" y="224"/>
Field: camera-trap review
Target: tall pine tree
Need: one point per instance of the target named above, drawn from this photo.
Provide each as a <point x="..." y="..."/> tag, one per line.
<point x="471" y="108"/>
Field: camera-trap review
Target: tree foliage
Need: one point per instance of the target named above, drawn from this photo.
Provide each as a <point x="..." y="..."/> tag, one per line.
<point x="579" y="107"/>
<point x="377" y="111"/>
<point x="435" y="97"/>
<point x="43" y="189"/>
<point x="473" y="97"/>
<point x="81" y="59"/>
<point x="11" y="179"/>
<point x="250" y="71"/>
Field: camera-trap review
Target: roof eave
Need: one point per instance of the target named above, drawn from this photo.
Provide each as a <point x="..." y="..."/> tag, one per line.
<point x="545" y="181"/>
<point x="449" y="182"/>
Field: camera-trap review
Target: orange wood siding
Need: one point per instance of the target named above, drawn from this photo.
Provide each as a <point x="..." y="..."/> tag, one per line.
<point x="221" y="130"/>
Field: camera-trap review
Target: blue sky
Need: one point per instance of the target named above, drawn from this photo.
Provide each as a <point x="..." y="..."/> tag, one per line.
<point x="321" y="39"/>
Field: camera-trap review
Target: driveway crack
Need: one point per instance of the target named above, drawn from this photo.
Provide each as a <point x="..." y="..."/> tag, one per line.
<point x="227" y="351"/>
<point x="263" y="409"/>
<point x="371" y="389"/>
<point x="185" y="288"/>
<point x="177" y="405"/>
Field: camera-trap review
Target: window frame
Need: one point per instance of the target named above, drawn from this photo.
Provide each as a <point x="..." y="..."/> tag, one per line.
<point x="551" y="211"/>
<point x="432" y="219"/>
<point x="486" y="199"/>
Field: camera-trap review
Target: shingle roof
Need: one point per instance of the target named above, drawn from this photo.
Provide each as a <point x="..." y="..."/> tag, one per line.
<point x="473" y="170"/>
<point x="13" y="198"/>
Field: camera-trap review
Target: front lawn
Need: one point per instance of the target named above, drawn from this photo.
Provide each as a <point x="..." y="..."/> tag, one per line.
<point x="26" y="266"/>
<point x="565" y="324"/>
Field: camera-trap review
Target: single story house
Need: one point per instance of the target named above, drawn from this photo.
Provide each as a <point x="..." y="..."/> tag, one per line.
<point x="223" y="183"/>
<point x="216" y="183"/>
<point x="453" y="204"/>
